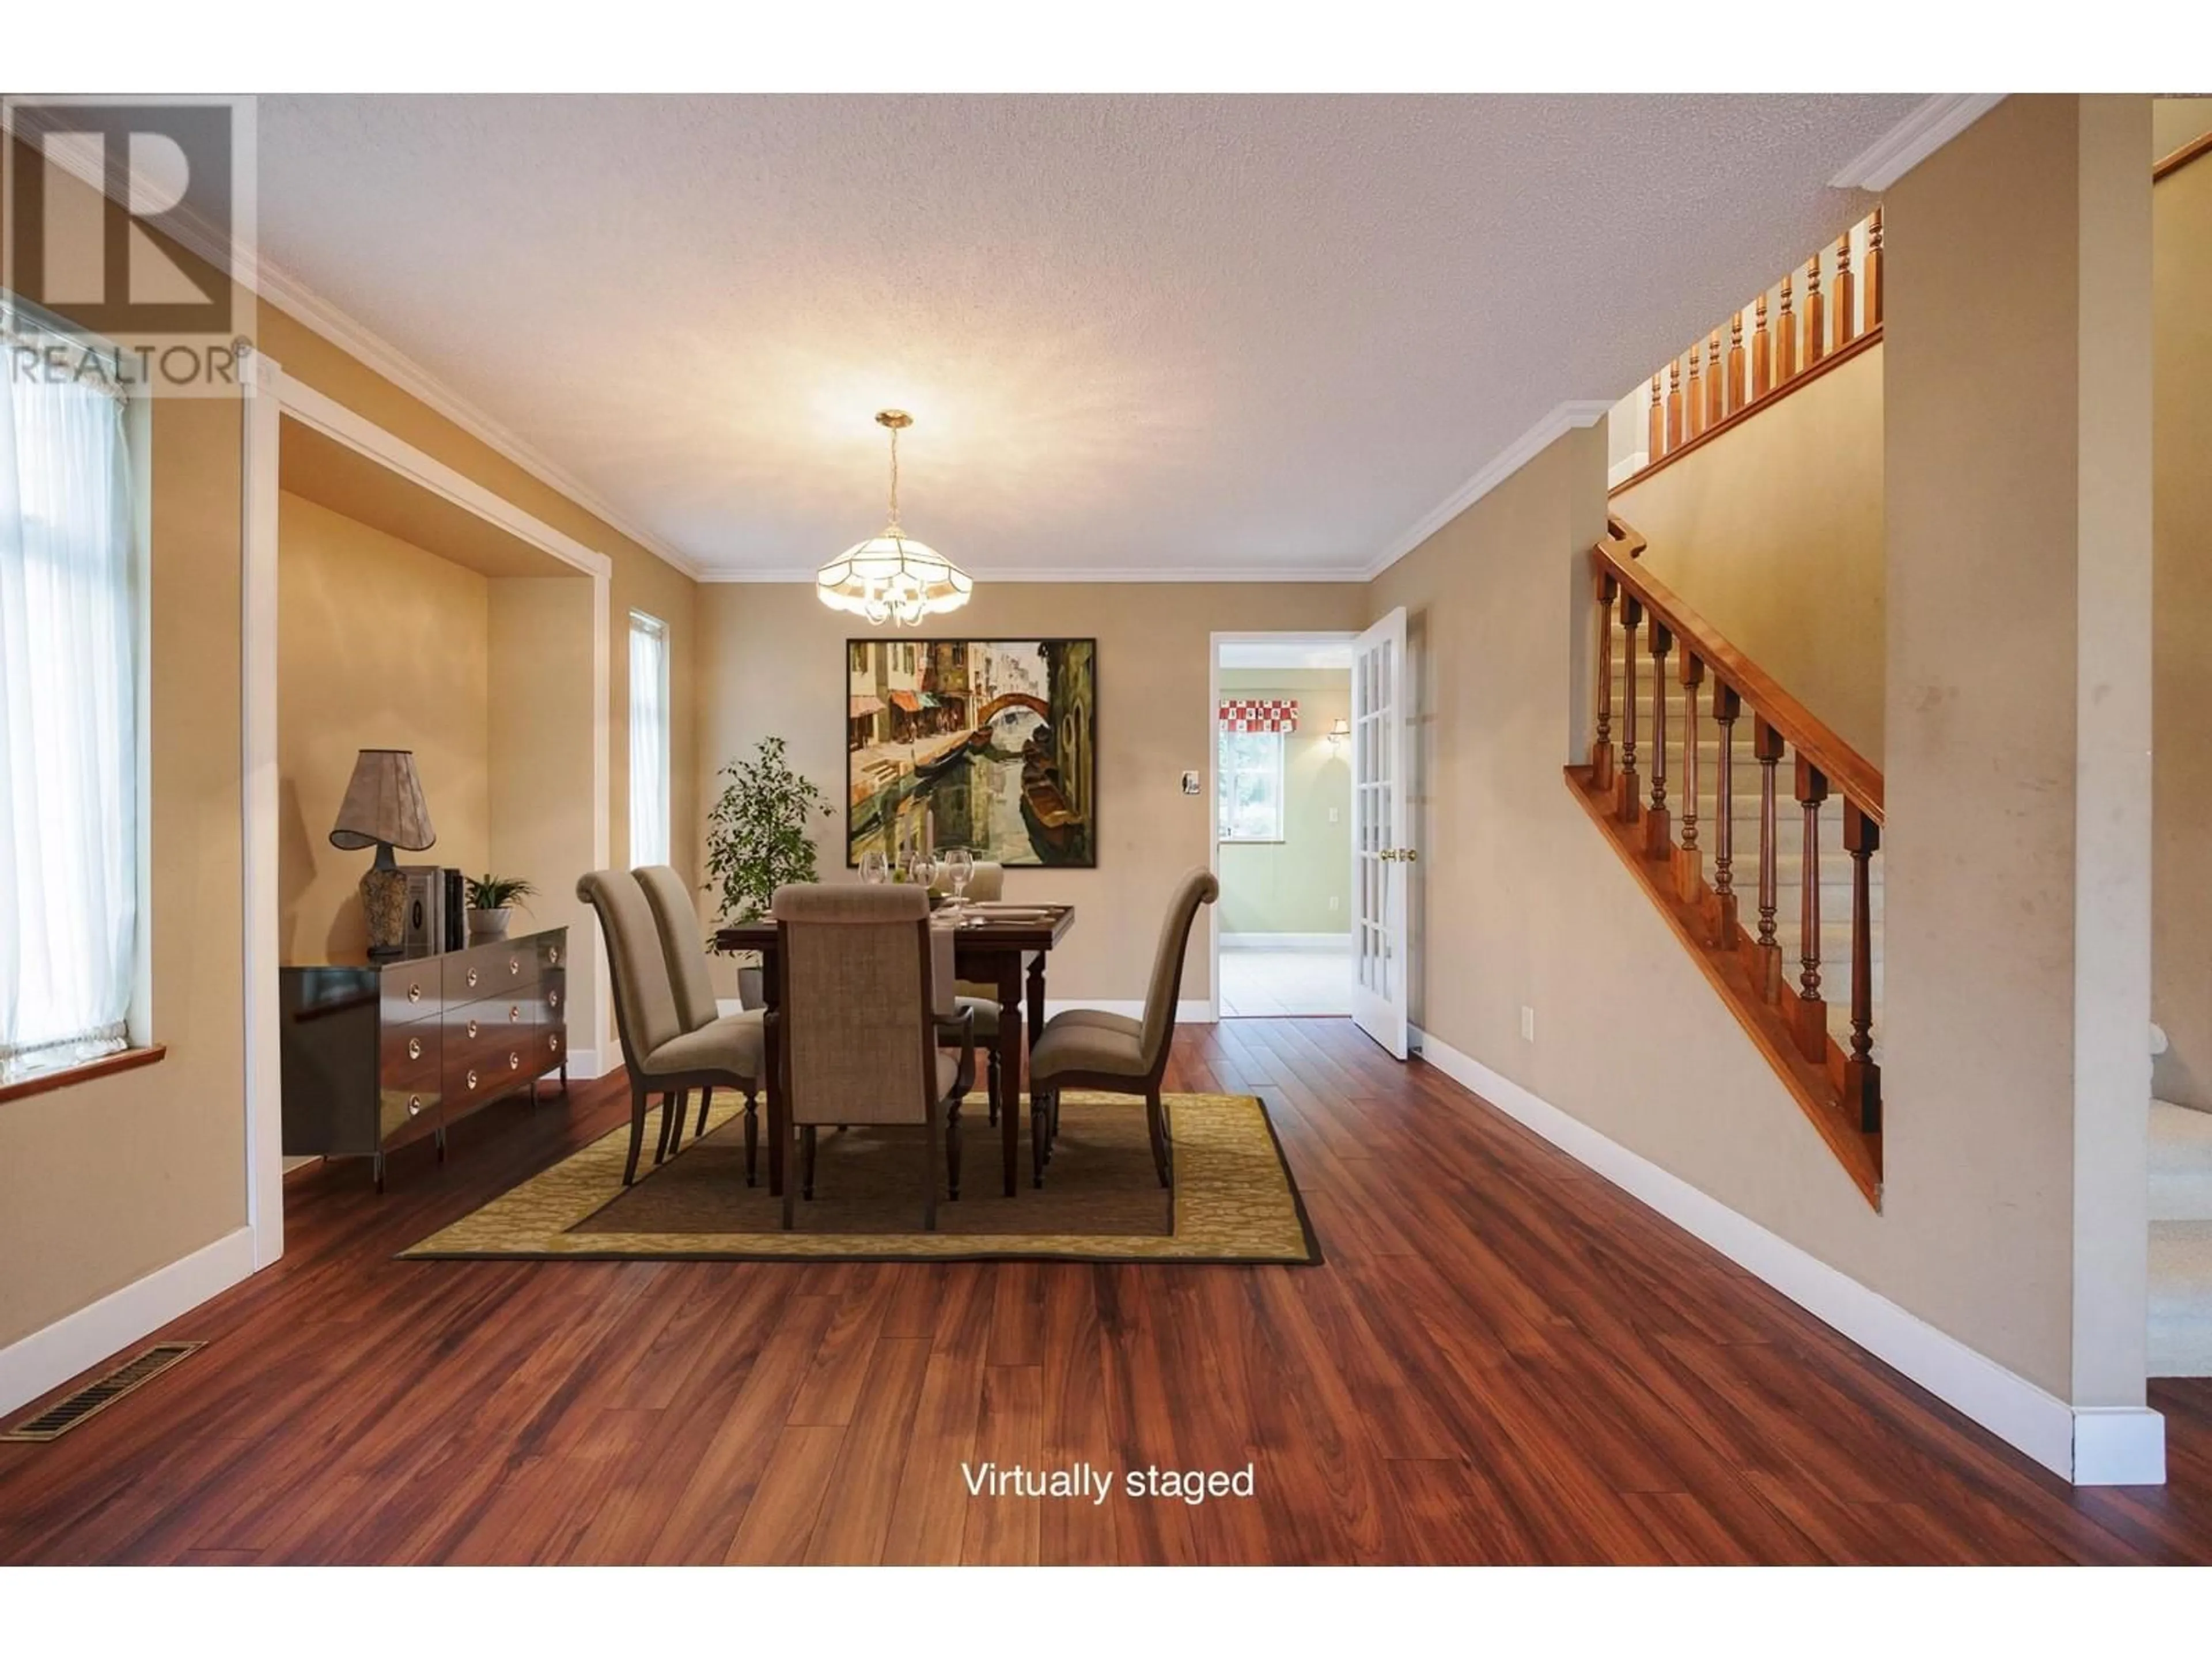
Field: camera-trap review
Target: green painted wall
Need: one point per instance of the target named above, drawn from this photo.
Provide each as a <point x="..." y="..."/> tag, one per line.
<point x="1287" y="886"/>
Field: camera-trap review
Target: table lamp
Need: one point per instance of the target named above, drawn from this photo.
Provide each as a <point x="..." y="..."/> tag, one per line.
<point x="384" y="809"/>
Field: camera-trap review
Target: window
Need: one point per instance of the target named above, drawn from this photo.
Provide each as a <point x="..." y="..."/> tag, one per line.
<point x="1250" y="784"/>
<point x="648" y="739"/>
<point x="68" y="724"/>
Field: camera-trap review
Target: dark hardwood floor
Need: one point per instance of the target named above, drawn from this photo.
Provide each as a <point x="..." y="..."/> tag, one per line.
<point x="1504" y="1359"/>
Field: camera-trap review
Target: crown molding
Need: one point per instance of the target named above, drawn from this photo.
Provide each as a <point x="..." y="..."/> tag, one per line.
<point x="83" y="160"/>
<point x="1913" y="140"/>
<point x="1097" y="573"/>
<point x="1567" y="418"/>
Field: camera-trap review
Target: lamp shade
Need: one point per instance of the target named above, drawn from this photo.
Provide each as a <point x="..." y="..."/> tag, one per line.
<point x="384" y="803"/>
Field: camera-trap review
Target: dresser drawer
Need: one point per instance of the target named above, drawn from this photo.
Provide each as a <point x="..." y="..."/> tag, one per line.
<point x="552" y="999"/>
<point x="411" y="991"/>
<point x="489" y="971"/>
<point x="489" y="1069"/>
<point x="552" y="949"/>
<point x="492" y="1020"/>
<point x="408" y="1097"/>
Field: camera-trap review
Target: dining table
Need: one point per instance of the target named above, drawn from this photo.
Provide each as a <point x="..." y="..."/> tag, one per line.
<point x="1001" y="945"/>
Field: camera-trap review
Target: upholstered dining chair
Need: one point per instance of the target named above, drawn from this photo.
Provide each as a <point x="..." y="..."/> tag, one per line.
<point x="987" y="883"/>
<point x="1090" y="1048"/>
<point x="658" y="1054"/>
<point x="864" y="981"/>
<point x="683" y="942"/>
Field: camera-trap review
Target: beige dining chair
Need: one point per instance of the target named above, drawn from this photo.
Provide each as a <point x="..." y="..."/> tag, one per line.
<point x="658" y="1053"/>
<point x="683" y="942"/>
<point x="864" y="981"/>
<point x="1090" y="1048"/>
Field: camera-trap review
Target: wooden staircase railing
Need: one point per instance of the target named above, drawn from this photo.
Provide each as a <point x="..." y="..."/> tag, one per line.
<point x="1669" y="849"/>
<point x="1773" y="346"/>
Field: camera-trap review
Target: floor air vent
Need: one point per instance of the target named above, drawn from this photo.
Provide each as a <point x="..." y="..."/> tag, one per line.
<point x="58" y="1419"/>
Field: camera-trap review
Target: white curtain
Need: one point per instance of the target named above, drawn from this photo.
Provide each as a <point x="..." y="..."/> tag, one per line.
<point x="648" y="740"/>
<point x="69" y="711"/>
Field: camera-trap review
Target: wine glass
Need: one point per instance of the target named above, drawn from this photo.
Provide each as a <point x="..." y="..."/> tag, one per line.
<point x="922" y="871"/>
<point x="875" y="868"/>
<point x="959" y="869"/>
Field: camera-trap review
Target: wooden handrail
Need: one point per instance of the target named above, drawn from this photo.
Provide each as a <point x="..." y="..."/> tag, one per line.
<point x="2200" y="145"/>
<point x="1855" y="777"/>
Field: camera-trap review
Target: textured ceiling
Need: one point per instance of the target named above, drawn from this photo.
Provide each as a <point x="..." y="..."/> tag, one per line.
<point x="1136" y="333"/>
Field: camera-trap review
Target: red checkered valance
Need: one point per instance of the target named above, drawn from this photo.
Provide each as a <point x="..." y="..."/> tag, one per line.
<point x="1281" y="716"/>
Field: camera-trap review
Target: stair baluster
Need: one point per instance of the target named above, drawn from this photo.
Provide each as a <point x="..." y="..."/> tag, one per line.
<point x="1872" y="276"/>
<point x="1816" y="314"/>
<point x="1716" y="407"/>
<point x="1762" y="352"/>
<point x="1726" y="707"/>
<point x="1861" y="1076"/>
<point x="1809" y="1014"/>
<point x="1736" y="398"/>
<point x="1655" y="437"/>
<point x="1625" y="798"/>
<point x="1785" y="341"/>
<point x="1847" y="322"/>
<point x="1602" y="749"/>
<point x="1693" y="394"/>
<point x="1766" y="749"/>
<point x="1675" y="435"/>
<point x="1689" y="860"/>
<point x="1655" y="820"/>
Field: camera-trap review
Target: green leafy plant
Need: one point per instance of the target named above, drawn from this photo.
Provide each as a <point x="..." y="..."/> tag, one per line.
<point x="756" y="833"/>
<point x="490" y="892"/>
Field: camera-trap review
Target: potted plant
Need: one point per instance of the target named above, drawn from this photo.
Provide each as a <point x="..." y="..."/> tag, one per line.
<point x="757" y="841"/>
<point x="490" y="898"/>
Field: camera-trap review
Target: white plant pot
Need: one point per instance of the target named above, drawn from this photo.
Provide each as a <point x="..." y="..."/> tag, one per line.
<point x="487" y="923"/>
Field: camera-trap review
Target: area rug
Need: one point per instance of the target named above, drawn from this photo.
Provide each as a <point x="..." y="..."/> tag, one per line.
<point x="1235" y="1200"/>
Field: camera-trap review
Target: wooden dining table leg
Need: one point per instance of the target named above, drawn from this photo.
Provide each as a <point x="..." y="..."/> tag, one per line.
<point x="1008" y="1083"/>
<point x="779" y="1132"/>
<point x="1036" y="1030"/>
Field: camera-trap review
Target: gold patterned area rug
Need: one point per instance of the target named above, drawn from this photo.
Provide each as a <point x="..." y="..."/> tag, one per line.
<point x="1234" y="1199"/>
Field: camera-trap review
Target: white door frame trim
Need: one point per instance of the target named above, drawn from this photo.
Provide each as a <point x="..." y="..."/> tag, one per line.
<point x="272" y="396"/>
<point x="1214" y="642"/>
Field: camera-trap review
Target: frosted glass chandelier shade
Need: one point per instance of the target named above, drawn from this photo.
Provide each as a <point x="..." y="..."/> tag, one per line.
<point x="892" y="578"/>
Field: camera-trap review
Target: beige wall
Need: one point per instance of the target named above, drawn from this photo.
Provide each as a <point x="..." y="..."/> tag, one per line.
<point x="2182" y="651"/>
<point x="641" y="581"/>
<point x="773" y="665"/>
<point x="1774" y="531"/>
<point x="103" y="1182"/>
<point x="1287" y="886"/>
<point x="2017" y="934"/>
<point x="540" y="771"/>
<point x="379" y="645"/>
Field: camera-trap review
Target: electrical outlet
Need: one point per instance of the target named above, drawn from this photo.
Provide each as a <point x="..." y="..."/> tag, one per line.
<point x="1332" y="815"/>
<point x="1332" y="903"/>
<point x="1527" y="1023"/>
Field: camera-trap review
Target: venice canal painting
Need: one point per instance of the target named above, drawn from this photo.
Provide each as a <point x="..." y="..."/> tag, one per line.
<point x="987" y="744"/>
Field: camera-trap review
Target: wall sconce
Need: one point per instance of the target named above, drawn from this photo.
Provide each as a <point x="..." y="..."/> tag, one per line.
<point x="1339" y="731"/>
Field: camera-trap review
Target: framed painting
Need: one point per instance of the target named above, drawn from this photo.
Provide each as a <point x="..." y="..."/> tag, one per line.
<point x="989" y="745"/>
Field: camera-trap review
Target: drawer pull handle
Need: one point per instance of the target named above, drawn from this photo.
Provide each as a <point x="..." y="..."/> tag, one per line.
<point x="472" y="976"/>
<point x="415" y="992"/>
<point x="514" y="1062"/>
<point x="472" y="1027"/>
<point x="414" y="1048"/>
<point x="553" y="998"/>
<point x="514" y="966"/>
<point x="472" y="1080"/>
<point x="514" y="1011"/>
<point x="414" y="1105"/>
<point x="553" y="1042"/>
<point x="552" y="956"/>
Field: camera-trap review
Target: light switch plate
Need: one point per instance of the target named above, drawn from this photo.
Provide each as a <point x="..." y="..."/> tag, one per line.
<point x="1190" y="783"/>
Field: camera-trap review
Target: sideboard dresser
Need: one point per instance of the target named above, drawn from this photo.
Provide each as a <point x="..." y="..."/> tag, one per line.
<point x="378" y="1053"/>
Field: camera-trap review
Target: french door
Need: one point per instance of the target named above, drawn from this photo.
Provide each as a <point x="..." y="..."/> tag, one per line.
<point x="1381" y="833"/>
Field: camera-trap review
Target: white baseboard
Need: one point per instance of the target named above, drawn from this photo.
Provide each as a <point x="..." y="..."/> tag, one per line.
<point x="585" y="1064"/>
<point x="2089" y="1447"/>
<point x="46" y="1358"/>
<point x="1287" y="941"/>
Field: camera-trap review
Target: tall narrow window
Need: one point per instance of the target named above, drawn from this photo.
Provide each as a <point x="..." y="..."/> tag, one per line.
<point x="69" y="770"/>
<point x="648" y="739"/>
<point x="1249" y="767"/>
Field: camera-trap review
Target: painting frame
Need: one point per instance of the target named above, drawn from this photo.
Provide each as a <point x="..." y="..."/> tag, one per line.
<point x="1057" y="795"/>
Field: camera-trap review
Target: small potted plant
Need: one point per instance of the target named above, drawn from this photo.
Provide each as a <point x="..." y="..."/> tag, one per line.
<point x="490" y="898"/>
<point x="757" y="841"/>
